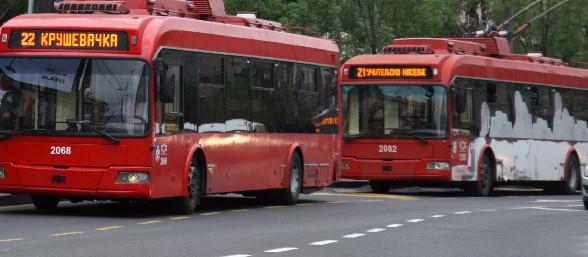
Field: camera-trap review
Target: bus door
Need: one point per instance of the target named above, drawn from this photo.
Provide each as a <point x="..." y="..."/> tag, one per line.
<point x="462" y="145"/>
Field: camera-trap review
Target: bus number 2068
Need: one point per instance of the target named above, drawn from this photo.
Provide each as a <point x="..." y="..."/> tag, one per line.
<point x="388" y="148"/>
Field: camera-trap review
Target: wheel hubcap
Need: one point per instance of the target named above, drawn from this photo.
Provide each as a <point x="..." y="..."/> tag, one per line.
<point x="295" y="178"/>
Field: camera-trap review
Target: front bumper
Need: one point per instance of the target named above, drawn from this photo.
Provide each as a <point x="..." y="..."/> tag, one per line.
<point x="393" y="170"/>
<point x="72" y="182"/>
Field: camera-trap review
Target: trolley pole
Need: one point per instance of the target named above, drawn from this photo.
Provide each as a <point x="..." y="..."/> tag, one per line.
<point x="31" y="6"/>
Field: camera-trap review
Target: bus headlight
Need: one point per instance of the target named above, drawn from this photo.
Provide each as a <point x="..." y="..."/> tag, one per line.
<point x="132" y="178"/>
<point x="345" y="165"/>
<point x="2" y="173"/>
<point x="438" y="165"/>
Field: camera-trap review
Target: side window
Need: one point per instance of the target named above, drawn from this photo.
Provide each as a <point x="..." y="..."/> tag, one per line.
<point x="211" y="94"/>
<point x="171" y="107"/>
<point x="286" y="98"/>
<point x="463" y="107"/>
<point x="306" y="98"/>
<point x="327" y="118"/>
<point x="263" y="97"/>
<point x="238" y="102"/>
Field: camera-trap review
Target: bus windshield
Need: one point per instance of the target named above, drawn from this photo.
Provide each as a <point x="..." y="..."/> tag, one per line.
<point x="395" y="111"/>
<point x="73" y="96"/>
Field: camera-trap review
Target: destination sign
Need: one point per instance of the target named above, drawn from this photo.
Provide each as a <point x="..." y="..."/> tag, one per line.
<point x="390" y="72"/>
<point x="85" y="40"/>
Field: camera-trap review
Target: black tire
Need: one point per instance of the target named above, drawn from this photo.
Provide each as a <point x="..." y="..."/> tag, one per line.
<point x="45" y="202"/>
<point x="585" y="200"/>
<point x="188" y="203"/>
<point x="380" y="187"/>
<point x="484" y="186"/>
<point x="290" y="195"/>
<point x="572" y="179"/>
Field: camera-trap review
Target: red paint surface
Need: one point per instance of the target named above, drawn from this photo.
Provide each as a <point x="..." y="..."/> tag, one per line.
<point x="243" y="162"/>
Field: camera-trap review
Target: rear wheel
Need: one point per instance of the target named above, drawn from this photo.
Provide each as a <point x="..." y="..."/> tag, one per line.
<point x="380" y="187"/>
<point x="290" y="195"/>
<point x="485" y="183"/>
<point x="188" y="203"/>
<point x="45" y="202"/>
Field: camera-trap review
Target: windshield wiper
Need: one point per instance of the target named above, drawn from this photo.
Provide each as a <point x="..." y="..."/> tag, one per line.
<point x="93" y="128"/>
<point x="412" y="134"/>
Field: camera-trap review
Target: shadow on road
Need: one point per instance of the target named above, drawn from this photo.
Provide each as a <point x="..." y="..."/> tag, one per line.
<point x="144" y="209"/>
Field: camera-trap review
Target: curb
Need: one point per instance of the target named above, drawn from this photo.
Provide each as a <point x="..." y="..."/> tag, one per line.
<point x="8" y="200"/>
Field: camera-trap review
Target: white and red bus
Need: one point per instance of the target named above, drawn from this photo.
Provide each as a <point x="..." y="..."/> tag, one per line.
<point x="465" y="112"/>
<point x="143" y="100"/>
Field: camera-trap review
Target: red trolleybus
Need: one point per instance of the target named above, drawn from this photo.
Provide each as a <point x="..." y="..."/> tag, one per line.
<point x="465" y="112"/>
<point x="140" y="103"/>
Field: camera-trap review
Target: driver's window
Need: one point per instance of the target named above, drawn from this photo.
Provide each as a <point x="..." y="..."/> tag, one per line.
<point x="171" y="107"/>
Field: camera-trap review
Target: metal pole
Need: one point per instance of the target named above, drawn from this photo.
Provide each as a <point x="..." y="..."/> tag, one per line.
<point x="31" y="5"/>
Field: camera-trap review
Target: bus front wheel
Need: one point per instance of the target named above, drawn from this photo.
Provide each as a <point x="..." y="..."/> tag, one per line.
<point x="188" y="203"/>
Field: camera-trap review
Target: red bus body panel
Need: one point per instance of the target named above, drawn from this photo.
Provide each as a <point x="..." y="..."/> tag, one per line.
<point x="236" y="162"/>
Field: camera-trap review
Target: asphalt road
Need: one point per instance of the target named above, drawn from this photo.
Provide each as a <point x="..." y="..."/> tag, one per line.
<point x="335" y="222"/>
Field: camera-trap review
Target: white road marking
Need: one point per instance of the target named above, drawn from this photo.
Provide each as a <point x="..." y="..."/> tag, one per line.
<point x="211" y="213"/>
<point x="414" y="220"/>
<point x="326" y="242"/>
<point x="108" y="228"/>
<point x="555" y="201"/>
<point x="489" y="210"/>
<point x="462" y="212"/>
<point x="66" y="234"/>
<point x="555" y="209"/>
<point x="394" y="225"/>
<point x="238" y="255"/>
<point x="179" y="218"/>
<point x="437" y="216"/>
<point x="575" y="205"/>
<point x="11" y="240"/>
<point x="375" y="230"/>
<point x="281" y="250"/>
<point x="149" y="222"/>
<point x="356" y="235"/>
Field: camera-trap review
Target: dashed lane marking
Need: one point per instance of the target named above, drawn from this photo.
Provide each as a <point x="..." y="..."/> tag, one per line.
<point x="462" y="212"/>
<point x="356" y="235"/>
<point x="437" y="216"/>
<point x="210" y="213"/>
<point x="554" y="209"/>
<point x="394" y="225"/>
<point x="11" y="240"/>
<point x="489" y="210"/>
<point x="371" y="195"/>
<point x="238" y="255"/>
<point x="281" y="250"/>
<point x="375" y="230"/>
<point x="414" y="220"/>
<point x="67" y="234"/>
<point x="240" y="210"/>
<point x="15" y="206"/>
<point x="325" y="242"/>
<point x="149" y="222"/>
<point x="179" y="218"/>
<point x="108" y="228"/>
<point x="274" y="207"/>
<point x="555" y="201"/>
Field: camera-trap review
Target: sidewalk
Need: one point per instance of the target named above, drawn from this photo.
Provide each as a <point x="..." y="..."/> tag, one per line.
<point x="7" y="199"/>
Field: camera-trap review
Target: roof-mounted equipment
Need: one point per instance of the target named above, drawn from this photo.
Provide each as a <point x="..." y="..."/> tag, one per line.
<point x="88" y="7"/>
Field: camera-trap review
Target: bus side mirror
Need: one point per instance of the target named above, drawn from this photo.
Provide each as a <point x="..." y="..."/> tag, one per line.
<point x="461" y="101"/>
